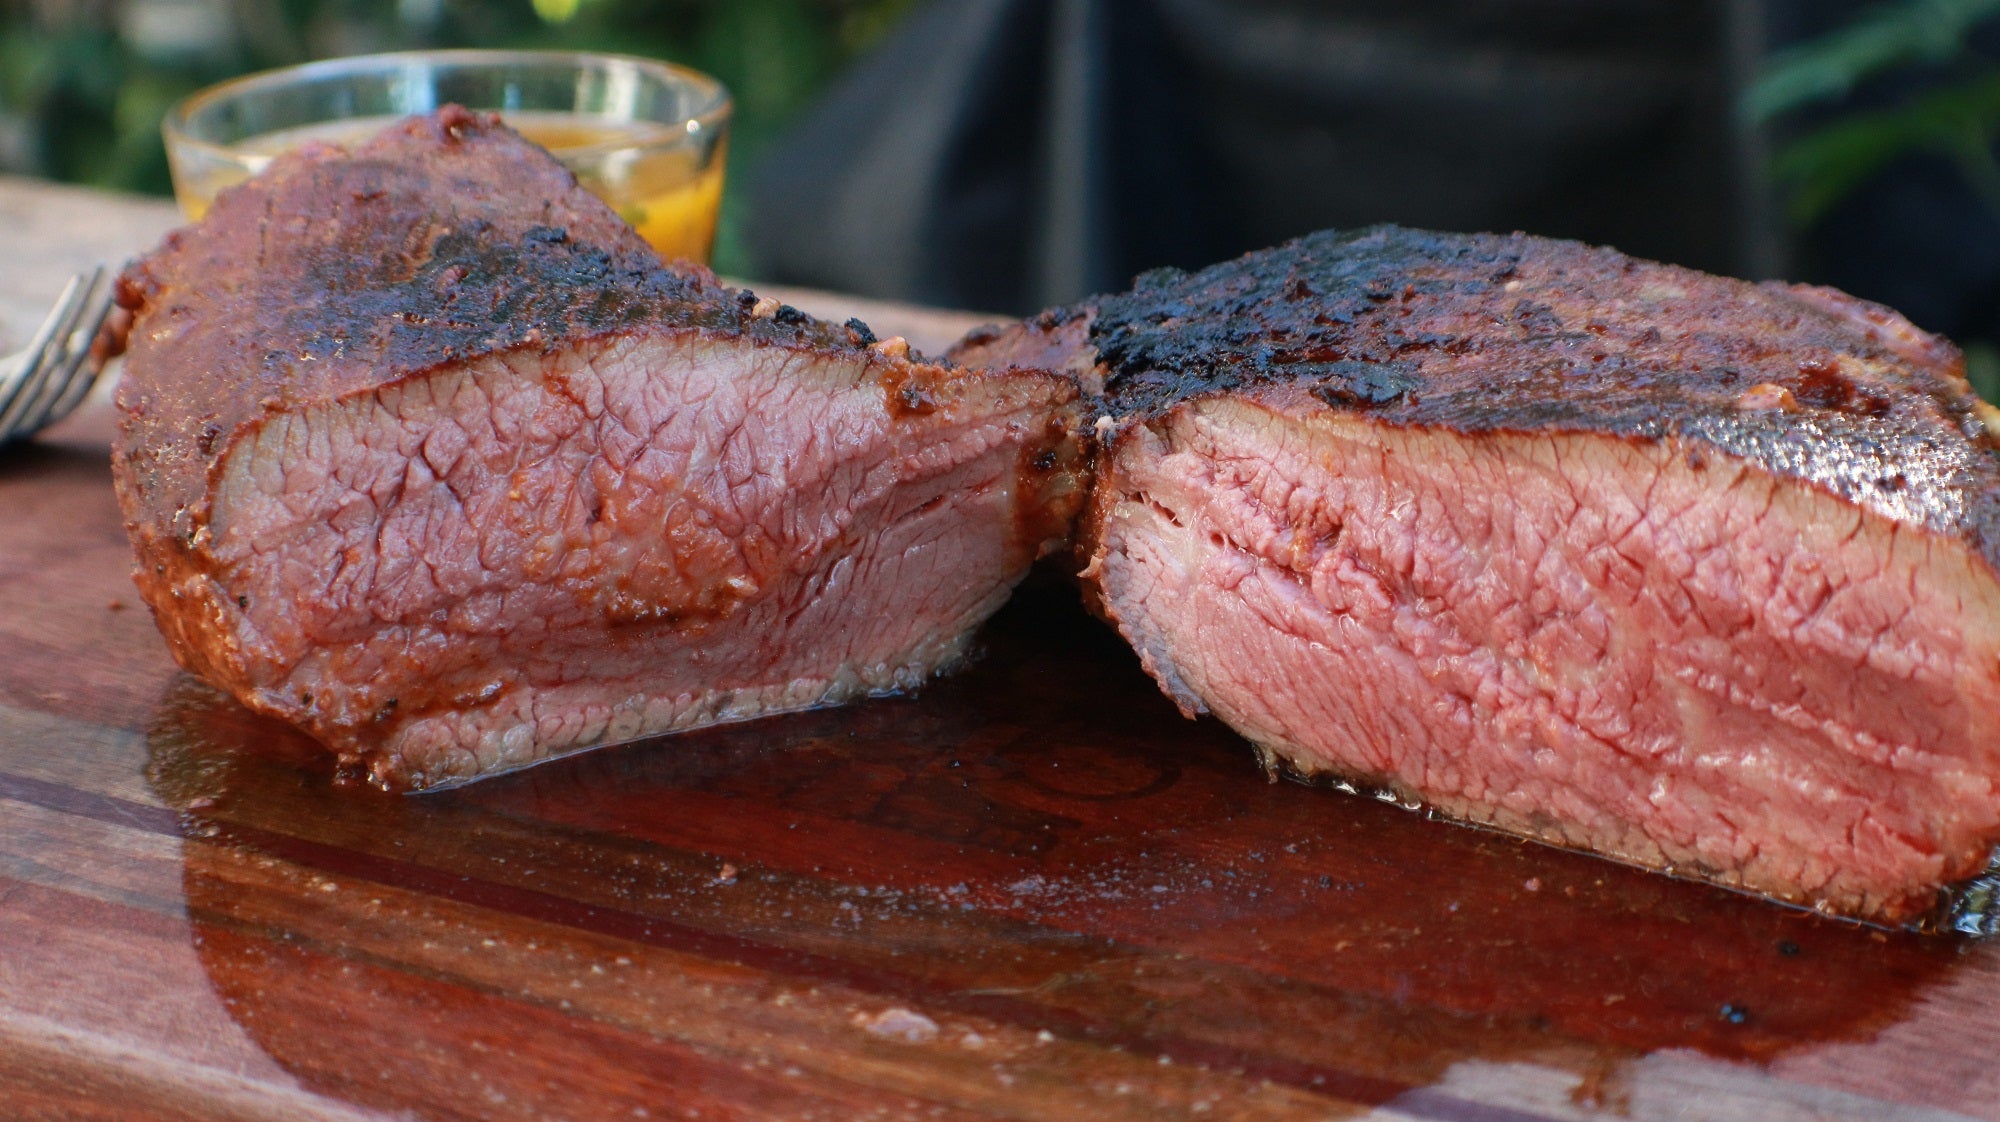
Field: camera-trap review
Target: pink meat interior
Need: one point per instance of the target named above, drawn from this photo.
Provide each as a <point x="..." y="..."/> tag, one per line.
<point x="540" y="550"/>
<point x="1617" y="645"/>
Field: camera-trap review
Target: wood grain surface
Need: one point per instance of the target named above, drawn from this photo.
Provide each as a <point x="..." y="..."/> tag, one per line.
<point x="1032" y="892"/>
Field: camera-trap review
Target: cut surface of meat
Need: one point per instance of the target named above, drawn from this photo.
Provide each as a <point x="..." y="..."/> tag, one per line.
<point x="424" y="450"/>
<point x="1689" y="572"/>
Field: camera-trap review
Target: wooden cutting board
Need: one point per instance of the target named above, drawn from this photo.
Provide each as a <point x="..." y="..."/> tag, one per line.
<point x="1032" y="892"/>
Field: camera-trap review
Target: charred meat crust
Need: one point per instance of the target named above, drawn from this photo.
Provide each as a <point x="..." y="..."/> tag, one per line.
<point x="1510" y="333"/>
<point x="341" y="273"/>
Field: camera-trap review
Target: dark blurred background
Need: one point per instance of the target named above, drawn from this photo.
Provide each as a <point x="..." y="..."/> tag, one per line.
<point x="1010" y="154"/>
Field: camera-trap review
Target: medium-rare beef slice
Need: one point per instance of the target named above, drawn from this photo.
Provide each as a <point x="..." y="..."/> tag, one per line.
<point x="1686" y="571"/>
<point x="425" y="451"/>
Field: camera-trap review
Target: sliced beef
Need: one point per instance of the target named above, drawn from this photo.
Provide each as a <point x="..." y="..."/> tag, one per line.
<point x="425" y="451"/>
<point x="1685" y="571"/>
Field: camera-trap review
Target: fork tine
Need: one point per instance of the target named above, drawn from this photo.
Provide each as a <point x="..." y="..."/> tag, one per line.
<point x="49" y="369"/>
<point x="80" y="373"/>
<point x="24" y="376"/>
<point x="60" y="367"/>
<point x="38" y="411"/>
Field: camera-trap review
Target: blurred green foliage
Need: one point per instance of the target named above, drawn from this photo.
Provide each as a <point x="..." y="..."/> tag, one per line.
<point x="1951" y="109"/>
<point x="1828" y="67"/>
<point x="1945" y="102"/>
<point x="84" y="83"/>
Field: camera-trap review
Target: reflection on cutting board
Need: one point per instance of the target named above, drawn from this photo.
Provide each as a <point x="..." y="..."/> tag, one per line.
<point x="1034" y="890"/>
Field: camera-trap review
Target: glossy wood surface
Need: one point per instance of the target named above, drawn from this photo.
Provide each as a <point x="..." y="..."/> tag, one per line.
<point x="1032" y="892"/>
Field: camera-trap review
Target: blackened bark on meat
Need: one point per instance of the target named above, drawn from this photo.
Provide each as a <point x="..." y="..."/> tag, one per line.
<point x="1489" y="333"/>
<point x="375" y="265"/>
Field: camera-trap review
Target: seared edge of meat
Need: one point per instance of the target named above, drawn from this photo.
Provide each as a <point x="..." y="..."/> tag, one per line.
<point x="1512" y="333"/>
<point x="335" y="273"/>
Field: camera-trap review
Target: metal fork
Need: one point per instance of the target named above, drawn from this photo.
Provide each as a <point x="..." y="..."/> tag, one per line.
<point x="41" y="384"/>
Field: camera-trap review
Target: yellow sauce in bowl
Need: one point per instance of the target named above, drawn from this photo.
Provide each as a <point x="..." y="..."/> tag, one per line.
<point x="669" y="189"/>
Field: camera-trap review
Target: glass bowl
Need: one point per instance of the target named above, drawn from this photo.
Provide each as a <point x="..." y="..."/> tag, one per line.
<point x="648" y="137"/>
